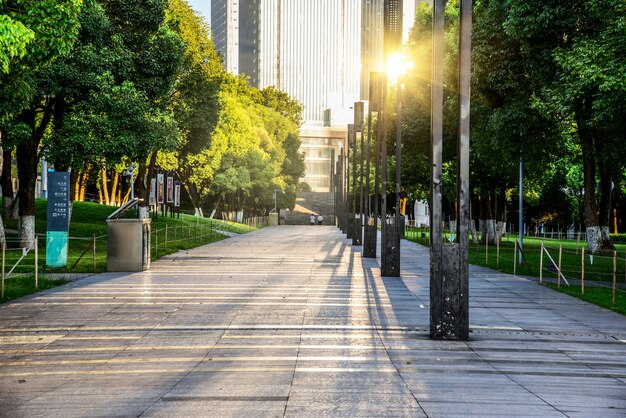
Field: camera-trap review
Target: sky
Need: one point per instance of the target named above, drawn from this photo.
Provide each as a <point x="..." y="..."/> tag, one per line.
<point x="202" y="6"/>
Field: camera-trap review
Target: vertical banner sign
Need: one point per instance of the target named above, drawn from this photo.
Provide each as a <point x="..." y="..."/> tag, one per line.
<point x="177" y="196"/>
<point x="170" y="189"/>
<point x="160" y="189"/>
<point x="152" y="192"/>
<point x="58" y="219"/>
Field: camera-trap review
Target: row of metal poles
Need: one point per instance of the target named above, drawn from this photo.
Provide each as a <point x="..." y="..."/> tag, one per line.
<point x="358" y="207"/>
<point x="449" y="301"/>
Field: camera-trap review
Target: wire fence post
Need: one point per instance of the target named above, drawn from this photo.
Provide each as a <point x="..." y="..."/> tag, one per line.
<point x="582" y="272"/>
<point x="94" y="253"/>
<point x="541" y="264"/>
<point x="487" y="248"/>
<point x="559" y="267"/>
<point x="497" y="251"/>
<point x="195" y="234"/>
<point x="3" y="251"/>
<point x="156" y="244"/>
<point x="166" y="237"/>
<point x="36" y="262"/>
<point x="515" y="259"/>
<point x="614" y="277"/>
<point x="188" y="233"/>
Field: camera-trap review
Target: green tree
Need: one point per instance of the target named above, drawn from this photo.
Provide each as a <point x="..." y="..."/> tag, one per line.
<point x="576" y="59"/>
<point x="37" y="32"/>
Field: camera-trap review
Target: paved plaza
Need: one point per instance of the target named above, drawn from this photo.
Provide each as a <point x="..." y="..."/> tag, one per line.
<point x="291" y="321"/>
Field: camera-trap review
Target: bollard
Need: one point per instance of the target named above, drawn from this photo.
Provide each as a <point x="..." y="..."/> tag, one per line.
<point x="582" y="272"/>
<point x="36" y="262"/>
<point x="541" y="264"/>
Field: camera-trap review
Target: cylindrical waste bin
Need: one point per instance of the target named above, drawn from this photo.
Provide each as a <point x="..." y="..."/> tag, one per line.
<point x="128" y="248"/>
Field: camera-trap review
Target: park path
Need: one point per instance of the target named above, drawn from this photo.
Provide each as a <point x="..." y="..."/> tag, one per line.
<point x="290" y="321"/>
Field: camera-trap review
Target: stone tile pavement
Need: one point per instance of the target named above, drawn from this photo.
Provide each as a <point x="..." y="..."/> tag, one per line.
<point x="290" y="321"/>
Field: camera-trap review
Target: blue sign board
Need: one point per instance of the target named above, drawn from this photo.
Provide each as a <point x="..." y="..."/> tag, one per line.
<point x="58" y="219"/>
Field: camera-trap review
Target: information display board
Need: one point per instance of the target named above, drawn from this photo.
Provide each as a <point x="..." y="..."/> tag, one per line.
<point x="59" y="212"/>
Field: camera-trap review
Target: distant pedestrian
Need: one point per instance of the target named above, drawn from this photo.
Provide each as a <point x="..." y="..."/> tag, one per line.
<point x="320" y="219"/>
<point x="312" y="219"/>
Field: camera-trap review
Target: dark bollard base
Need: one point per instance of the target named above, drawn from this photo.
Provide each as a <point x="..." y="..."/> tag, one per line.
<point x="390" y="249"/>
<point x="340" y="218"/>
<point x="357" y="232"/>
<point x="449" y="319"/>
<point x="370" y="238"/>
<point x="349" y="225"/>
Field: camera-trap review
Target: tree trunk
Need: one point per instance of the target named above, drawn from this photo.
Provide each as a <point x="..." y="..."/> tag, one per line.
<point x="113" y="193"/>
<point x="105" y="188"/>
<point x="142" y="191"/>
<point x="83" y="183"/>
<point x="487" y="222"/>
<point x="27" y="152"/>
<point x="194" y="196"/>
<point x="74" y="182"/>
<point x="217" y="205"/>
<point x="597" y="233"/>
<point x="7" y="183"/>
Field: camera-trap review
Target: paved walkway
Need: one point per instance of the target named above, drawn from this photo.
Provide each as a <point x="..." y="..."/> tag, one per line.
<point x="290" y="321"/>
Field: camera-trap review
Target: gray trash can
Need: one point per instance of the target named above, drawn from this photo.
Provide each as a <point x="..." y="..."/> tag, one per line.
<point x="129" y="244"/>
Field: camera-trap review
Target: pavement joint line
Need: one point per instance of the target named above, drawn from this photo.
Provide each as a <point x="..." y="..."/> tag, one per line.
<point x="171" y="398"/>
<point x="393" y="370"/>
<point x="111" y="361"/>
<point x="233" y="327"/>
<point x="347" y="305"/>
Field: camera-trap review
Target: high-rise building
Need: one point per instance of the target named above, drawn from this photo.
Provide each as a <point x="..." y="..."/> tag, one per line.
<point x="225" y="31"/>
<point x="319" y="51"/>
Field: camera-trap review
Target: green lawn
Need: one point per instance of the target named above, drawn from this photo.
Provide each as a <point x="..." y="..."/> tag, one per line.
<point x="89" y="221"/>
<point x="601" y="270"/>
<point x="600" y="296"/>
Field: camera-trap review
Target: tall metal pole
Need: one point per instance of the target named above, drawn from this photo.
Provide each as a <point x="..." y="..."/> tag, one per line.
<point x="521" y="206"/>
<point x="356" y="227"/>
<point x="369" y="227"/>
<point x="449" y="313"/>
<point x="359" y="124"/>
<point x="436" y="122"/>
<point x="461" y="330"/>
<point x="349" y="184"/>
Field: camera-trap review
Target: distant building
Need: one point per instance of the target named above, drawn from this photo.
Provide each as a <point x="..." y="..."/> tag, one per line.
<point x="319" y="51"/>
